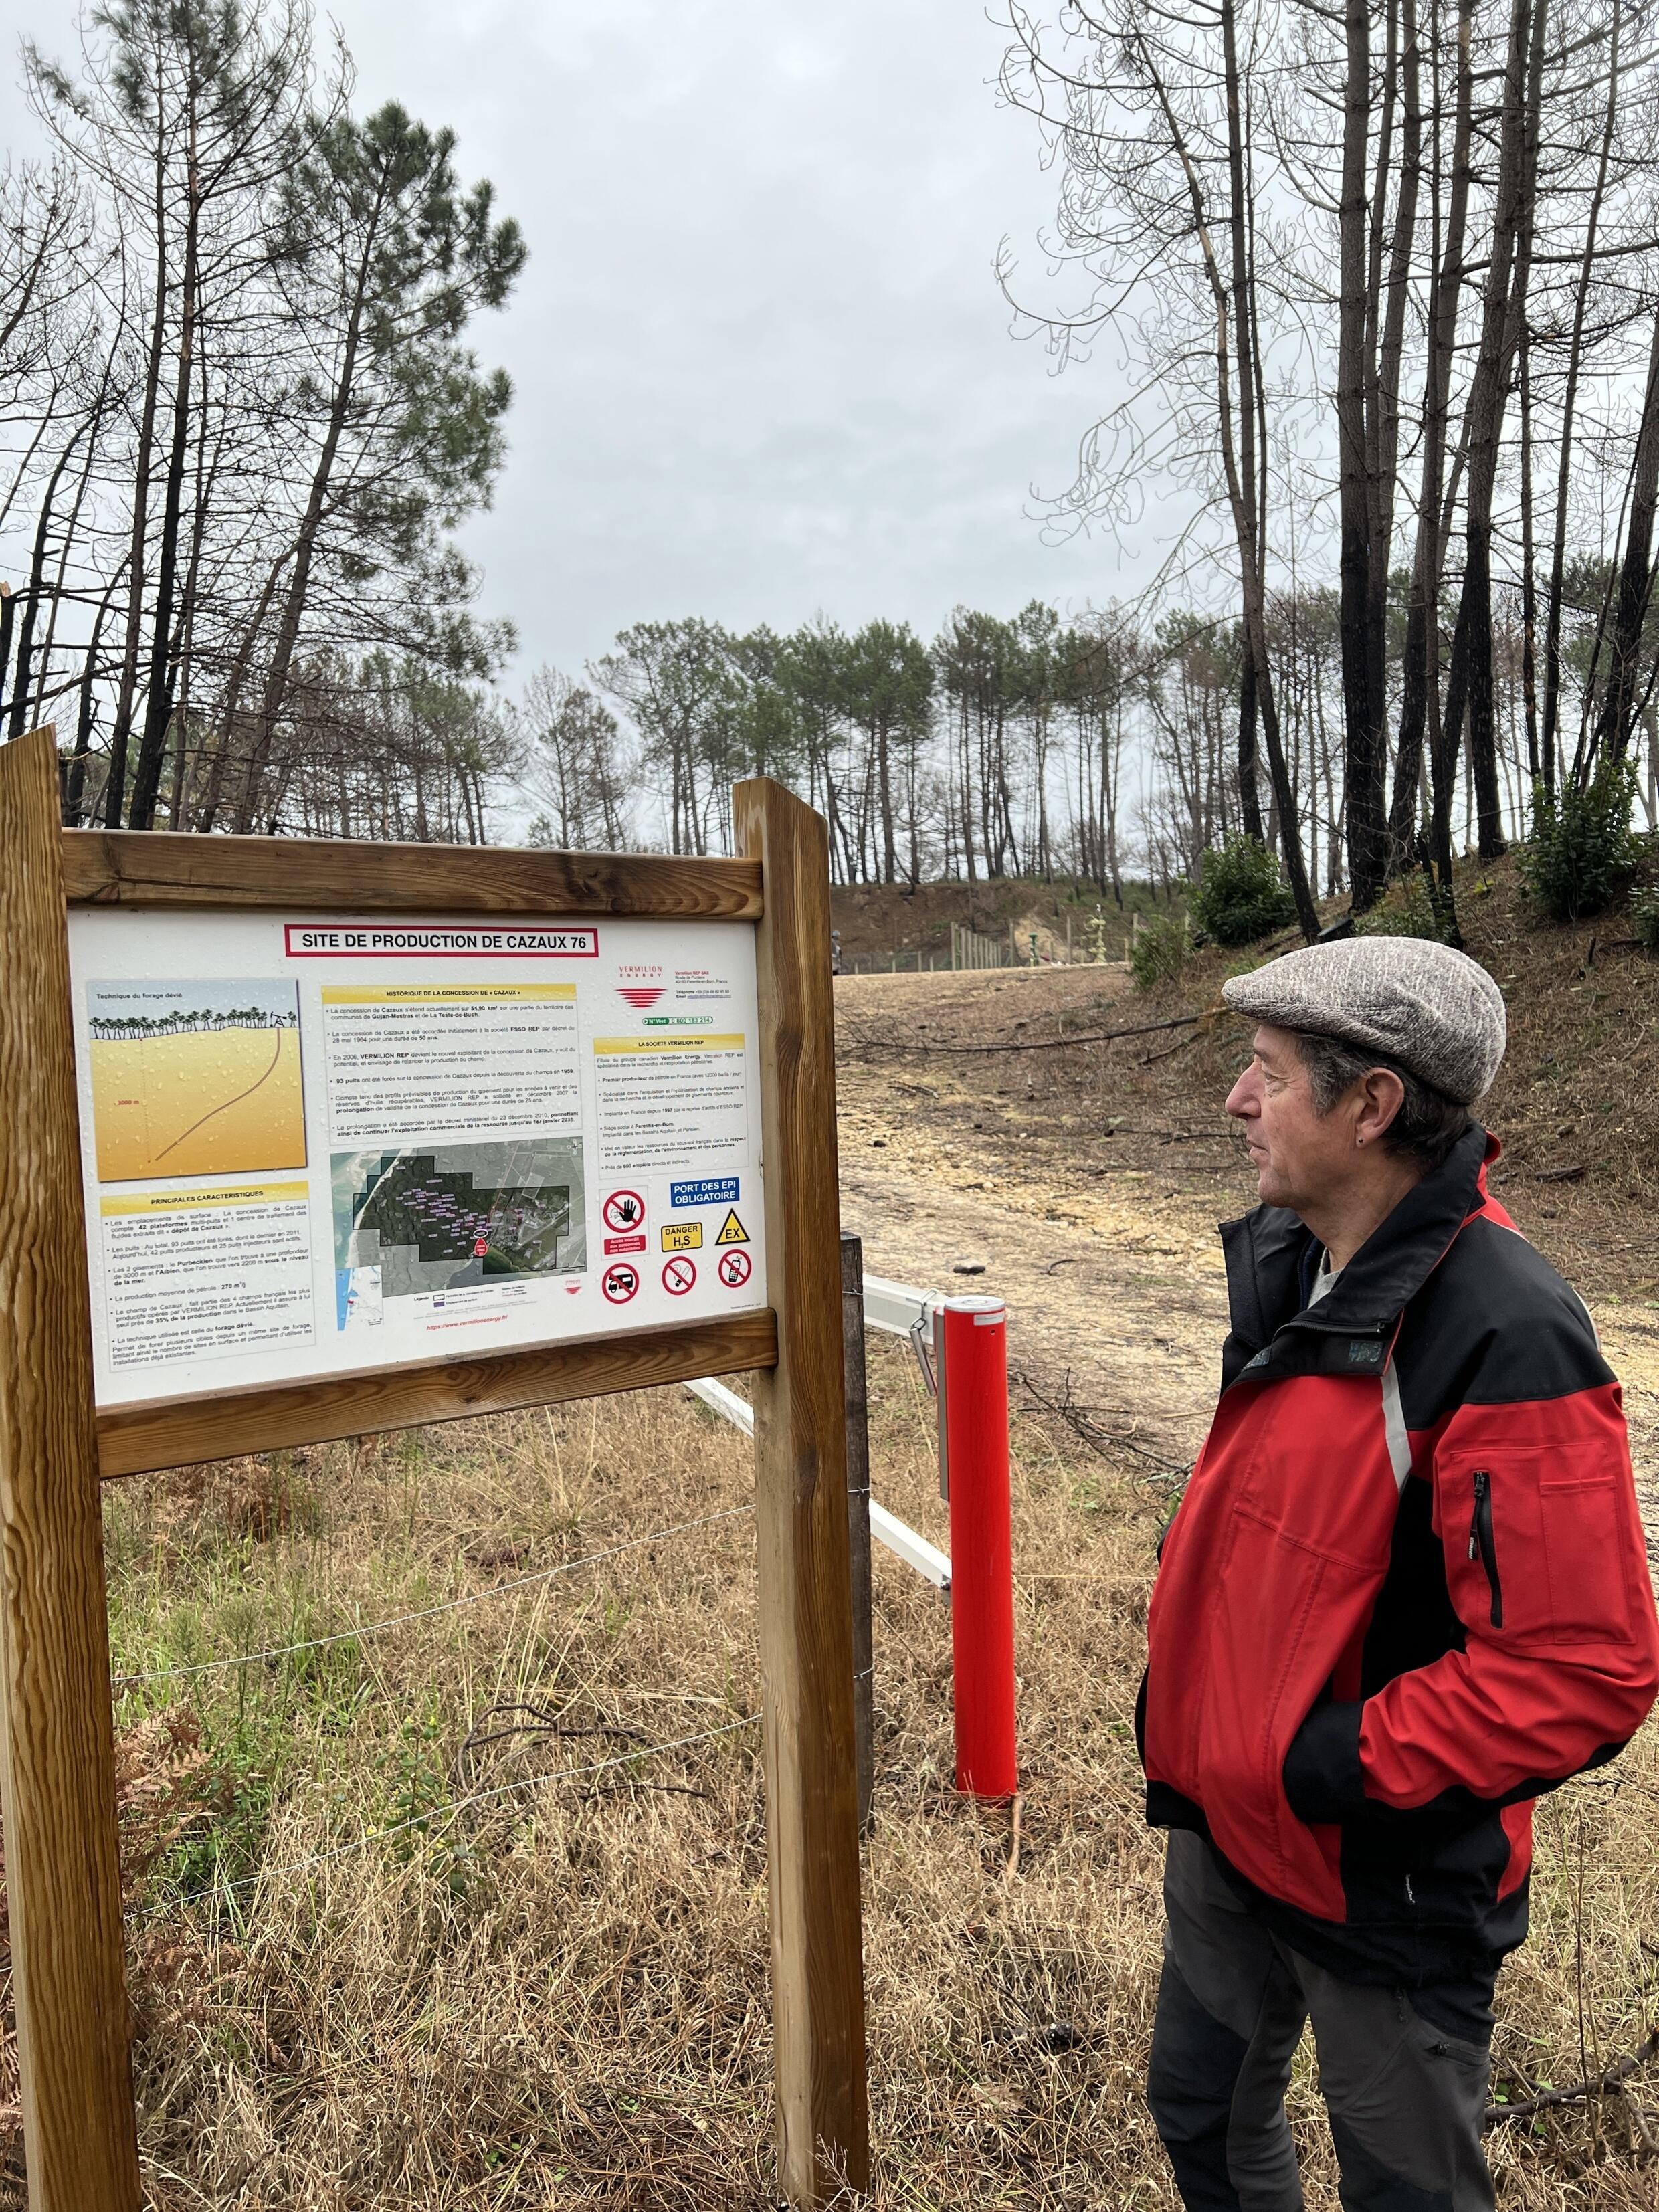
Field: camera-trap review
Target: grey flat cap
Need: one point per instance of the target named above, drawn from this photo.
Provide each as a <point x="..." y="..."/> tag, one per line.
<point x="1434" y="1010"/>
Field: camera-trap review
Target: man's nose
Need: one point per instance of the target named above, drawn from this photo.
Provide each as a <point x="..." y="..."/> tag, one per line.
<point x="1241" y="1098"/>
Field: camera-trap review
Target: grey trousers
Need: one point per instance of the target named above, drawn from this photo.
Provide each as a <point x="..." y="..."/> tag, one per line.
<point x="1406" y="2098"/>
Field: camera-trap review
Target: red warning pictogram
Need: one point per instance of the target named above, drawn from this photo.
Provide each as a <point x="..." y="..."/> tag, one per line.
<point x="480" y="1246"/>
<point x="620" y="1282"/>
<point x="623" y="1209"/>
<point x="678" y="1274"/>
<point x="734" y="1269"/>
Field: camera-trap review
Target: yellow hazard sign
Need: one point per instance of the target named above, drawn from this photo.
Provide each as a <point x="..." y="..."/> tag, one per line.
<point x="732" y="1229"/>
<point x="682" y="1236"/>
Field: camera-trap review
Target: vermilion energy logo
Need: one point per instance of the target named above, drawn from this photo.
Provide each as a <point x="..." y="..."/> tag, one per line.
<point x="640" y="994"/>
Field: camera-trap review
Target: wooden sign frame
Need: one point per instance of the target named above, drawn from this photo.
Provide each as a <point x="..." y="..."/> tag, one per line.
<point x="57" y="1762"/>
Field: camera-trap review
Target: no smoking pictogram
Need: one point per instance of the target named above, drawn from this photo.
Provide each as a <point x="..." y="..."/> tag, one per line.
<point x="734" y="1269"/>
<point x="623" y="1209"/>
<point x="620" y="1283"/>
<point x="678" y="1274"/>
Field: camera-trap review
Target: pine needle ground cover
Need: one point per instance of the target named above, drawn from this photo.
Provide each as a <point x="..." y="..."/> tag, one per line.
<point x="555" y="1995"/>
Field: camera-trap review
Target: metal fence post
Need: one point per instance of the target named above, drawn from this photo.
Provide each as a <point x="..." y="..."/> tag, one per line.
<point x="858" y="1517"/>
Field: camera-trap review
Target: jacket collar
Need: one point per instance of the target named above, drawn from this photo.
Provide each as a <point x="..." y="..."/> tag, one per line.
<point x="1269" y="1251"/>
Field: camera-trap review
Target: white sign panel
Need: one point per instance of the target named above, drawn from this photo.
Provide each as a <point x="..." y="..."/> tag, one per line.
<point x="313" y="1144"/>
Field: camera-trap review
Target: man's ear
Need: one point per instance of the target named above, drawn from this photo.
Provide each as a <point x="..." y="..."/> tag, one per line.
<point x="1383" y="1095"/>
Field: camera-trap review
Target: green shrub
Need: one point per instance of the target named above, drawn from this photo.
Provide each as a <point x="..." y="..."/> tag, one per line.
<point x="1408" y="908"/>
<point x="1583" y="852"/>
<point x="1159" y="952"/>
<point x="1647" y="918"/>
<point x="1241" y="896"/>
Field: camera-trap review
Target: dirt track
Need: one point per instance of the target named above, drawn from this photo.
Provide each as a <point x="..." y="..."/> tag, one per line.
<point x="1129" y="1316"/>
<point x="1106" y="1252"/>
<point x="1114" y="1289"/>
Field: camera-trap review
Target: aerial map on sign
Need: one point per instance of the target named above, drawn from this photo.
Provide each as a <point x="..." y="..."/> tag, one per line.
<point x="437" y="1218"/>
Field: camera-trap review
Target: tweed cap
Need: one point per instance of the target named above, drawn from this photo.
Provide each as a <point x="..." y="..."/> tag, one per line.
<point x="1436" y="1011"/>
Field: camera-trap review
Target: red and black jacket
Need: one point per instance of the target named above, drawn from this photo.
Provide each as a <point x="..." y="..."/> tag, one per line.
<point x="1406" y="1590"/>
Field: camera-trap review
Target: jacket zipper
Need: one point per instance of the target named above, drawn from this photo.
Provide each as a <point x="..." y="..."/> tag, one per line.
<point x="1482" y="1544"/>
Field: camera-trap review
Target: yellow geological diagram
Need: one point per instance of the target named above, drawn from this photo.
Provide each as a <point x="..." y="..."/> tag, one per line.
<point x="198" y="1078"/>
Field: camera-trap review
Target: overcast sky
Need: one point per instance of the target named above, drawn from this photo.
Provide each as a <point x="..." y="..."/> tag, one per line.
<point x="761" y="366"/>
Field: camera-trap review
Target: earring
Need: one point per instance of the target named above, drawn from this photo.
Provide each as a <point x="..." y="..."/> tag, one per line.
<point x="1359" y="1141"/>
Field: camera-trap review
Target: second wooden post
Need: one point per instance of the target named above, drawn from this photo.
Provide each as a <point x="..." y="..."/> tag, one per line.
<point x="804" y="1603"/>
<point x="858" y="1518"/>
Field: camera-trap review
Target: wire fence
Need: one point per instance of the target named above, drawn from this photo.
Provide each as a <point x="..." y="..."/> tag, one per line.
<point x="426" y="1612"/>
<point x="447" y="1813"/>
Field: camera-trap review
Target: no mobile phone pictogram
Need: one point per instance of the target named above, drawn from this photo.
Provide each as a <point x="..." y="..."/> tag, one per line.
<point x="620" y="1283"/>
<point x="623" y="1209"/>
<point x="678" y="1274"/>
<point x="734" y="1269"/>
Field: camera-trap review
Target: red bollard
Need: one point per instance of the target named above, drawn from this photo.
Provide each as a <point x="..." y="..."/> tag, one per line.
<point x="970" y="1337"/>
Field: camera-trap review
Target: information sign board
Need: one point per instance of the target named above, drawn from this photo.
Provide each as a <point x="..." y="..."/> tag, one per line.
<point x="371" y="1136"/>
<point x="313" y="1144"/>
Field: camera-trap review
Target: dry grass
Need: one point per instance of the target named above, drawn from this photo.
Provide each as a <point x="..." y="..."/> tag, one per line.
<point x="558" y="1998"/>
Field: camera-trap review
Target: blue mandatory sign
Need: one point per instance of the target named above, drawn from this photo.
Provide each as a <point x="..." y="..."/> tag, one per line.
<point x="718" y="1190"/>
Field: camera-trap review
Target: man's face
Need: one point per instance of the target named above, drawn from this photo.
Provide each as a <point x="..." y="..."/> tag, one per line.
<point x="1298" y="1156"/>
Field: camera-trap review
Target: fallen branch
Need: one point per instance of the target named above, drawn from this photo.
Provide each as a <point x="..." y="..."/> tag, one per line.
<point x="1043" y="1044"/>
<point x="1098" y="1440"/>
<point x="1183" y="1044"/>
<point x="1548" y="2099"/>
<point x="538" y="1722"/>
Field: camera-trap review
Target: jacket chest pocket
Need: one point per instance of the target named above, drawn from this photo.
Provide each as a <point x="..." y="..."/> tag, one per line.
<point x="1535" y="1543"/>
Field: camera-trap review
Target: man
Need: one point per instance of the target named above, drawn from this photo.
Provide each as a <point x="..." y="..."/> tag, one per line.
<point x="1405" y="1592"/>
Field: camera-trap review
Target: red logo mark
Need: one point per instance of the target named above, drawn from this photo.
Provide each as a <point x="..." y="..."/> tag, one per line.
<point x="640" y="994"/>
<point x="620" y="1283"/>
<point x="678" y="1274"/>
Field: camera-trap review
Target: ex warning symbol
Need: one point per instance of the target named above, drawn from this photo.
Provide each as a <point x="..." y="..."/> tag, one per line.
<point x="732" y="1229"/>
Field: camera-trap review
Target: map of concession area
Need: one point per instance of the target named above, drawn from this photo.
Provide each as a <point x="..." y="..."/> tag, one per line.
<point x="195" y="1078"/>
<point x="440" y="1216"/>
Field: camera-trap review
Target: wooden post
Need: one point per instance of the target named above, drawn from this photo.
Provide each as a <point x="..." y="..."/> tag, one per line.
<point x="858" y="1518"/>
<point x="805" y="1614"/>
<point x="56" y="1754"/>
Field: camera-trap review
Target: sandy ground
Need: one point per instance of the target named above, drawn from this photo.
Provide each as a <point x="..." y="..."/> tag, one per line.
<point x="1631" y="1345"/>
<point x="1124" y="1318"/>
<point x="1117" y="1297"/>
<point x="1108" y="1257"/>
